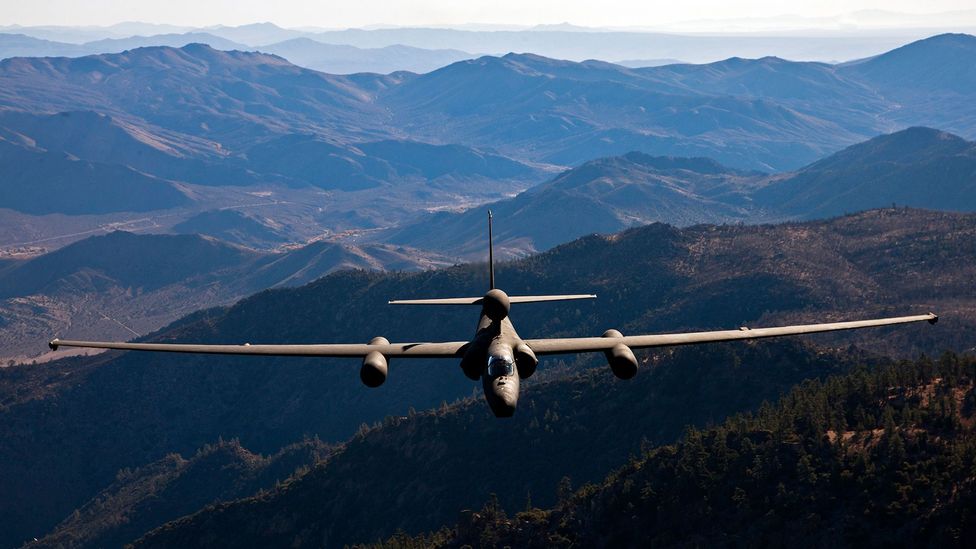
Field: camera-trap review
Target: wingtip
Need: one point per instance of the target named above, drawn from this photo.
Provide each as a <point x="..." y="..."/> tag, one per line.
<point x="934" y="319"/>
<point x="53" y="344"/>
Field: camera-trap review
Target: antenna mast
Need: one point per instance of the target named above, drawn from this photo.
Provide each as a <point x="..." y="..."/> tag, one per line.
<point x="491" y="257"/>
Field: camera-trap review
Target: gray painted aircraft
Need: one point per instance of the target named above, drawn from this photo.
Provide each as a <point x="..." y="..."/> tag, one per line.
<point x="497" y="355"/>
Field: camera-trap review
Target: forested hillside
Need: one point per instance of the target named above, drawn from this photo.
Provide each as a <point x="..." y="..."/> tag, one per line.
<point x="881" y="457"/>
<point x="142" y="498"/>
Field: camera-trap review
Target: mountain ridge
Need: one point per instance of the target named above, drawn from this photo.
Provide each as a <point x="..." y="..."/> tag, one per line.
<point x="916" y="167"/>
<point x="124" y="284"/>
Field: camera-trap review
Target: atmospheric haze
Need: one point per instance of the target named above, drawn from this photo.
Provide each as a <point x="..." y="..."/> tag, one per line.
<point x="707" y="15"/>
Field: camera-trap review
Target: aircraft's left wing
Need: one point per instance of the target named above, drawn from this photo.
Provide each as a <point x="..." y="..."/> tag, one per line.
<point x="594" y="344"/>
<point x="405" y="350"/>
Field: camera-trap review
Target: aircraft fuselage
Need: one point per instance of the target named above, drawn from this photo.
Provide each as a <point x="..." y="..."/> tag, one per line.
<point x="499" y="357"/>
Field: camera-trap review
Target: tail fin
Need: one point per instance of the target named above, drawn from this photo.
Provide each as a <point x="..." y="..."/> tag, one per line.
<point x="491" y="257"/>
<point x="491" y="283"/>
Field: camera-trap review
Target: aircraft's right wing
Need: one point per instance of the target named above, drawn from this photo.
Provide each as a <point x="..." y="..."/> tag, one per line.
<point x="405" y="350"/>
<point x="594" y="344"/>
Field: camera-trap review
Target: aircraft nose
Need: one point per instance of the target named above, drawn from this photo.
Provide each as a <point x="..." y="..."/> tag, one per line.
<point x="505" y="399"/>
<point x="503" y="408"/>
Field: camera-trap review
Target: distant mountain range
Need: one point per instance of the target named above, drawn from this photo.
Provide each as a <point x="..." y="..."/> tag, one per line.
<point x="560" y="41"/>
<point x="343" y="59"/>
<point x="83" y="419"/>
<point x="613" y="45"/>
<point x="302" y="51"/>
<point x="123" y="284"/>
<point x="236" y="118"/>
<point x="917" y="167"/>
<point x="21" y="45"/>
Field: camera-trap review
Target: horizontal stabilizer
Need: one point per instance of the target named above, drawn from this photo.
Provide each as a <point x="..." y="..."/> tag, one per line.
<point x="540" y="298"/>
<point x="478" y="300"/>
<point x="442" y="301"/>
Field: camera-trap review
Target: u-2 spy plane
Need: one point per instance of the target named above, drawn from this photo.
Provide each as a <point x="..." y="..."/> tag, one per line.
<point x="497" y="355"/>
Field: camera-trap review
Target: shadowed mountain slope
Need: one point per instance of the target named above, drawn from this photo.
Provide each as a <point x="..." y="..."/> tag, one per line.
<point x="146" y="262"/>
<point x="41" y="183"/>
<point x="231" y="226"/>
<point x="106" y="140"/>
<point x="145" y="497"/>
<point x="917" y="167"/>
<point x="122" y="284"/>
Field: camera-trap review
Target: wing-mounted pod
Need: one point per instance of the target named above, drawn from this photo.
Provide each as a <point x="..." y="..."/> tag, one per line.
<point x="621" y="359"/>
<point x="525" y="360"/>
<point x="375" y="366"/>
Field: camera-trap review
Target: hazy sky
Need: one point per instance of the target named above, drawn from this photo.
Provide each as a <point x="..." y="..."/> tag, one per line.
<point x="353" y="13"/>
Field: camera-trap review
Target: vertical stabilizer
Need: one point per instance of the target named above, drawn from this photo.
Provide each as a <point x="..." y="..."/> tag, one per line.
<point x="491" y="257"/>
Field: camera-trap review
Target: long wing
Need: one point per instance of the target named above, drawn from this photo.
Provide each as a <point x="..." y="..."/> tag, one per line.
<point x="457" y="348"/>
<point x="407" y="350"/>
<point x="593" y="344"/>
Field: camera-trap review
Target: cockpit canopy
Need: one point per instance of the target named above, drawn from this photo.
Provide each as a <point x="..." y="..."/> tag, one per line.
<point x="499" y="366"/>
